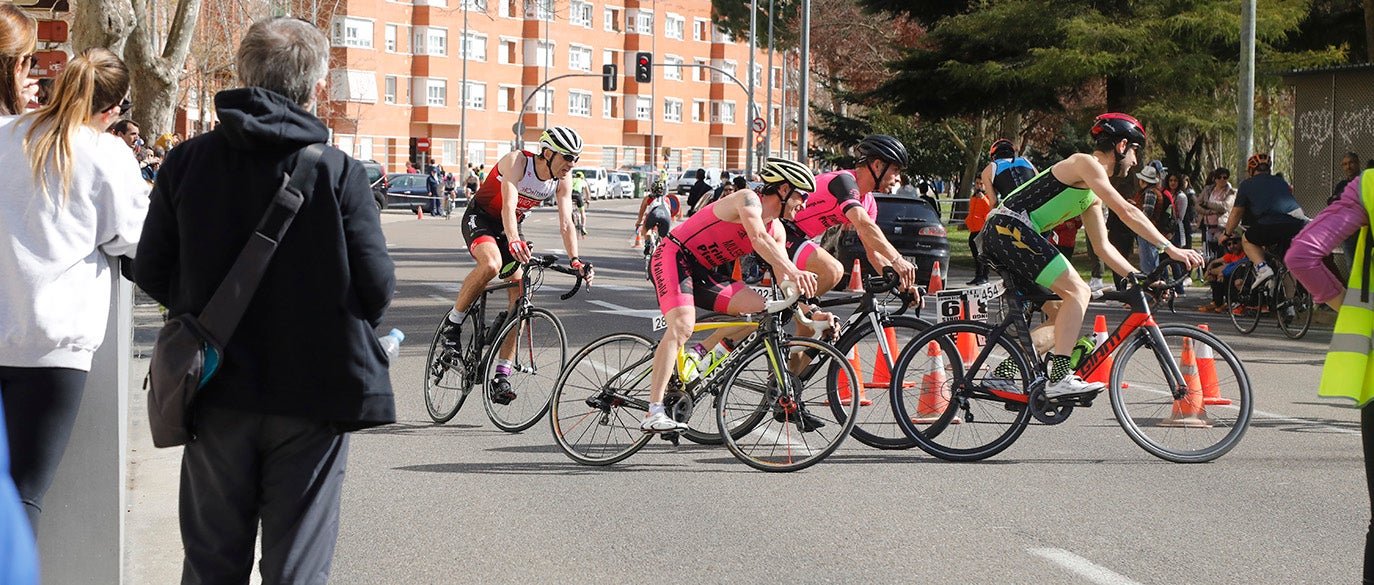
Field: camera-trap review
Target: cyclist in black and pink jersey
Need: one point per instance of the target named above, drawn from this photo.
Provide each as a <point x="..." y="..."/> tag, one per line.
<point x="720" y="233"/>
<point x="846" y="198"/>
<point x="522" y="181"/>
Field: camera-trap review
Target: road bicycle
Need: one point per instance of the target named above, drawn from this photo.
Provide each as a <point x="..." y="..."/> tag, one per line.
<point x="579" y="218"/>
<point x="534" y="337"/>
<point x="767" y="400"/>
<point x="1178" y="391"/>
<point x="651" y="243"/>
<point x="1282" y="295"/>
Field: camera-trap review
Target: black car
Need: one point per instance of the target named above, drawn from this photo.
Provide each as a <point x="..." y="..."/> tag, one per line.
<point x="913" y="226"/>
<point x="376" y="175"/>
<point x="407" y="190"/>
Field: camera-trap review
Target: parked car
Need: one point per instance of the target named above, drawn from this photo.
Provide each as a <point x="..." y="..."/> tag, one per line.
<point x="376" y="175"/>
<point x="620" y="185"/>
<point x="407" y="190"/>
<point x="683" y="184"/>
<point x="912" y="225"/>
<point x="595" y="178"/>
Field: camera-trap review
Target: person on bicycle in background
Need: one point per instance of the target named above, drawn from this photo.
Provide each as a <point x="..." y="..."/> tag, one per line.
<point x="522" y="180"/>
<point x="845" y="197"/>
<point x="722" y="232"/>
<point x="1265" y="204"/>
<point x="579" y="199"/>
<point x="1077" y="186"/>
<point x="654" y="214"/>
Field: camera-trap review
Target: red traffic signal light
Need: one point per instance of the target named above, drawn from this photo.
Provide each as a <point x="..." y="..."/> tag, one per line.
<point x="644" y="63"/>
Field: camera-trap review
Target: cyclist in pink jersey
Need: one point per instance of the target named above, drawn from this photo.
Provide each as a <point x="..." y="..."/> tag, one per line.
<point x="722" y="232"/>
<point x="491" y="227"/>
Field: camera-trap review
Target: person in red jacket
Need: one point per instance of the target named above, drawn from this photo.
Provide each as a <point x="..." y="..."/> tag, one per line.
<point x="979" y="204"/>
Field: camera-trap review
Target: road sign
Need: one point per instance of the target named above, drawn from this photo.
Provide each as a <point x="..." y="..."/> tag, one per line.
<point x="422" y="144"/>
<point x="518" y="129"/>
<point x="53" y="5"/>
<point x="48" y="64"/>
<point x="52" y="31"/>
<point x="759" y="125"/>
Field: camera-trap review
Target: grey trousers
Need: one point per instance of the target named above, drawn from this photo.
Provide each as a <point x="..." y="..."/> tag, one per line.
<point x="245" y="468"/>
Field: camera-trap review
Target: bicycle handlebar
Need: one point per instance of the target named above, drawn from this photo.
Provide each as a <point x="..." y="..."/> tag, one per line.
<point x="792" y="294"/>
<point x="1154" y="281"/>
<point x="549" y="261"/>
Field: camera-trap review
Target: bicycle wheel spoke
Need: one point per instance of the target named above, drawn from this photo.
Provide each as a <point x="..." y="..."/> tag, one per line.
<point x="599" y="400"/>
<point x="535" y="364"/>
<point x="447" y="376"/>
<point x="864" y="348"/>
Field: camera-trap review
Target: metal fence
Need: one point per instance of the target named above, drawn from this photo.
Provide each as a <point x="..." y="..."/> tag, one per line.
<point x="1333" y="114"/>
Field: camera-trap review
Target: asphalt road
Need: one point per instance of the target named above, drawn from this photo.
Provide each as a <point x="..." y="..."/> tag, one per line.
<point x="1074" y="503"/>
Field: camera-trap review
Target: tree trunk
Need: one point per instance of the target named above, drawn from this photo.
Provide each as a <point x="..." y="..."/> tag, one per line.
<point x="156" y="77"/>
<point x="103" y="23"/>
<point x="1369" y="29"/>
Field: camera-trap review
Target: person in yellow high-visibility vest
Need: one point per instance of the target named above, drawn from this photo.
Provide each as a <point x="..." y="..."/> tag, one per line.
<point x="1349" y="372"/>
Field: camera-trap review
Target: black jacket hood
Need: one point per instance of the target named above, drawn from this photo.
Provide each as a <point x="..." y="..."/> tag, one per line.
<point x="255" y="118"/>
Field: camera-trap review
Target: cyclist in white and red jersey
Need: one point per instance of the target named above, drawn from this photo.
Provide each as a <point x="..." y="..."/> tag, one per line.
<point x="522" y="181"/>
<point x="722" y="232"/>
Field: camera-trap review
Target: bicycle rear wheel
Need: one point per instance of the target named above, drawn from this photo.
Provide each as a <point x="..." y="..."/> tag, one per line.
<point x="601" y="398"/>
<point x="1215" y="411"/>
<point x="541" y="348"/>
<point x="449" y="375"/>
<point x="1293" y="306"/>
<point x="787" y="425"/>
<point x="877" y="425"/>
<point x="1244" y="300"/>
<point x="951" y="412"/>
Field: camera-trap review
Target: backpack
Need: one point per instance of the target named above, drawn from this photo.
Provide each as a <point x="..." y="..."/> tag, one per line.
<point x="1166" y="213"/>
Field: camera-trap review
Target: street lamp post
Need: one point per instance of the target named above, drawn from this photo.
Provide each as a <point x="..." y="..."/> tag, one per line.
<point x="753" y="81"/>
<point x="768" y="128"/>
<point x="804" y="93"/>
<point x="1245" y="126"/>
<point x="462" y="177"/>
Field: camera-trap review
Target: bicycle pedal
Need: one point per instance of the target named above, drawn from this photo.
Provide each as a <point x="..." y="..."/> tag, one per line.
<point x="672" y="437"/>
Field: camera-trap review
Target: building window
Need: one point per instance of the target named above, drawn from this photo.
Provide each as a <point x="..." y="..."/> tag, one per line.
<point x="608" y="157"/>
<point x="777" y="77"/>
<point x="671" y="70"/>
<point x="352" y="32"/>
<point x="729" y="67"/>
<point x="714" y="160"/>
<point x="365" y="148"/>
<point x="543" y="54"/>
<point x="674" y="25"/>
<point x="476" y="95"/>
<point x="631" y="156"/>
<point x="539" y="9"/>
<point x="507" y="98"/>
<point x="613" y="18"/>
<point x="644" y="22"/>
<point x="431" y="41"/>
<point x="609" y="57"/>
<point x="610" y="107"/>
<point x="477" y="153"/>
<point x="722" y="112"/>
<point x="580" y="58"/>
<point x="701" y="29"/>
<point x="701" y="74"/>
<point x="672" y="110"/>
<point x="391" y="38"/>
<point x="719" y="36"/>
<point x="542" y="102"/>
<point x="389" y="88"/>
<point x="449" y="157"/>
<point x="344" y="143"/>
<point x="758" y="75"/>
<point x="436" y="92"/>
<point x="507" y="52"/>
<point x="580" y="14"/>
<point x="505" y="8"/>
<point x="473" y="5"/>
<point x="474" y="46"/>
<point x="644" y="108"/>
<point x="699" y="110"/>
<point x="579" y="104"/>
<point x="353" y="86"/>
<point x="698" y="157"/>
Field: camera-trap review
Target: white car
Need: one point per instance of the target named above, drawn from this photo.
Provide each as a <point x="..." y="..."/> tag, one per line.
<point x="683" y="185"/>
<point x="595" y="177"/>
<point x="621" y="185"/>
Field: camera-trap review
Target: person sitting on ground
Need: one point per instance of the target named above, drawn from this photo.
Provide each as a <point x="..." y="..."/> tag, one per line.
<point x="1218" y="273"/>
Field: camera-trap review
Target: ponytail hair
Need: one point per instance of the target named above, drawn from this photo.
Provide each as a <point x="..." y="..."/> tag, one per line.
<point x="18" y="37"/>
<point x="95" y="81"/>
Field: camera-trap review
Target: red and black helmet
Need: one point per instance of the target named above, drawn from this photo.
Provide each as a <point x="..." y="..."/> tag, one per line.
<point x="1002" y="144"/>
<point x="1258" y="163"/>
<point x="1115" y="126"/>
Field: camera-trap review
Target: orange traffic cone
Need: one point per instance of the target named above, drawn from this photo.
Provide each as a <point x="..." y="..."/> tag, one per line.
<point x="845" y="388"/>
<point x="856" y="282"/>
<point x="419" y="212"/>
<point x="737" y="276"/>
<point x="1103" y="373"/>
<point x="1188" y="411"/>
<point x="768" y="281"/>
<point x="967" y="343"/>
<point x="1207" y="372"/>
<point x="639" y="240"/>
<point x="937" y="282"/>
<point x="934" y="391"/>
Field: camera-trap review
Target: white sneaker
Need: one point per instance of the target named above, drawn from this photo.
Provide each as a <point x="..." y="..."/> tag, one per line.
<point x="1262" y="274"/>
<point x="1096" y="284"/>
<point x="661" y="423"/>
<point x="1071" y="385"/>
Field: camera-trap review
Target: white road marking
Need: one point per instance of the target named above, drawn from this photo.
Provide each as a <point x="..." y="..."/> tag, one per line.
<point x="439" y="299"/>
<point x="619" y="310"/>
<point x="1082" y="567"/>
<point x="1269" y="415"/>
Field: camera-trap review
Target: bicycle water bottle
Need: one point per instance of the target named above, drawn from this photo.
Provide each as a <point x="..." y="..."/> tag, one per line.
<point x="688" y="362"/>
<point x="711" y="360"/>
<point x="391" y="342"/>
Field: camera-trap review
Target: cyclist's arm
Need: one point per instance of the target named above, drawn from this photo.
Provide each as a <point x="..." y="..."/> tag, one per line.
<point x="750" y="211"/>
<point x="1086" y="169"/>
<point x="644" y="204"/>
<point x="563" y="197"/>
<point x="510" y="194"/>
<point x="987" y="184"/>
<point x="1095" y="224"/>
<point x="881" y="252"/>
<point x="1233" y="221"/>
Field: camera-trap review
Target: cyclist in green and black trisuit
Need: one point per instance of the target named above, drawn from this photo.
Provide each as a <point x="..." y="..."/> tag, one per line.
<point x="1076" y="186"/>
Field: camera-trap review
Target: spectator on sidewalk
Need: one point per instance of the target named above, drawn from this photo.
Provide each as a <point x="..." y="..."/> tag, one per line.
<point x="73" y="200"/>
<point x="978" y="207"/>
<point x="699" y="190"/>
<point x="303" y="368"/>
<point x="1214" y="208"/>
<point x="18" y="37"/>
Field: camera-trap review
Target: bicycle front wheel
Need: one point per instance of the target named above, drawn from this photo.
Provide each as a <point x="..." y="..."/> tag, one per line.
<point x="601" y="398"/>
<point x="449" y="374"/>
<point x="1212" y="416"/>
<point x="539" y="348"/>
<point x="1293" y="306"/>
<point x="782" y="417"/>
<point x="877" y="425"/>
<point x="1244" y="300"/>
<point x="955" y="413"/>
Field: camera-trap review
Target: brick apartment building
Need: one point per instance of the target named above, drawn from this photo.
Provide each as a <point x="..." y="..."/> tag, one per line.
<point x="397" y="74"/>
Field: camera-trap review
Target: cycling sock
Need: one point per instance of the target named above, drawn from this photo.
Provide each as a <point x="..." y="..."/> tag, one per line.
<point x="503" y="367"/>
<point x="655" y="408"/>
<point x="1007" y="369"/>
<point x="1059" y="367"/>
<point x="456" y="317"/>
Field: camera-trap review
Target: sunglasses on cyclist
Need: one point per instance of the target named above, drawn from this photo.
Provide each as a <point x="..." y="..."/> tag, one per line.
<point x="571" y="158"/>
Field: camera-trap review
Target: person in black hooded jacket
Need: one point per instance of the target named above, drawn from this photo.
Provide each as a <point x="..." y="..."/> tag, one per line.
<point x="304" y="366"/>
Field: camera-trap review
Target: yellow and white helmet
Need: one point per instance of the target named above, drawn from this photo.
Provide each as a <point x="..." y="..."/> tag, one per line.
<point x="781" y="170"/>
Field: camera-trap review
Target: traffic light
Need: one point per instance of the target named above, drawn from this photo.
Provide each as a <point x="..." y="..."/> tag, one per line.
<point x="608" y="77"/>
<point x="644" y="67"/>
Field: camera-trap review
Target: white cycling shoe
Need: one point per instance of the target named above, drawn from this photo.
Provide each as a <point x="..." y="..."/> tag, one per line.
<point x="1071" y="385"/>
<point x="661" y="423"/>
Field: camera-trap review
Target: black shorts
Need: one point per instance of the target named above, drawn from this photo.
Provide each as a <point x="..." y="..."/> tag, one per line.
<point x="656" y="218"/>
<point x="577" y="199"/>
<point x="1274" y="233"/>
<point x="480" y="227"/>
<point x="1018" y="249"/>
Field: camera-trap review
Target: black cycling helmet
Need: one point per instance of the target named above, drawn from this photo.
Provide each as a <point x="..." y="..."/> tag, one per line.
<point x="1112" y="127"/>
<point x="884" y="148"/>
<point x="1004" y="146"/>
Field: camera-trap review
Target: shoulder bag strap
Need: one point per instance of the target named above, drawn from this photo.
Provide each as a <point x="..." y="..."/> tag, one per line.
<point x="222" y="314"/>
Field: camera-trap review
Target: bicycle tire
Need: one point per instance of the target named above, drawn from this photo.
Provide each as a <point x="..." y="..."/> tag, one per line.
<point x="1245" y="304"/>
<point x="1146" y="410"/>
<point x="539" y="357"/>
<point x="877" y="425"/>
<point x="769" y="444"/>
<point x="448" y="377"/>
<point x="592" y="431"/>
<point x="963" y="418"/>
<point x="1292" y="297"/>
<point x="702" y="428"/>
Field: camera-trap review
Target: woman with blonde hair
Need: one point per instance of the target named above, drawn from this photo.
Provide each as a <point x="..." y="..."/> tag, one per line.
<point x="18" y="37"/>
<point x="73" y="199"/>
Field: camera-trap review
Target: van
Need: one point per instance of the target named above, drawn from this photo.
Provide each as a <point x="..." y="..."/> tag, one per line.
<point x="684" y="183"/>
<point x="597" y="181"/>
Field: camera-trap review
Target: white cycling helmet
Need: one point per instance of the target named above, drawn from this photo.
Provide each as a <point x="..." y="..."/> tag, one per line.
<point x="561" y="139"/>
<point x="781" y="170"/>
